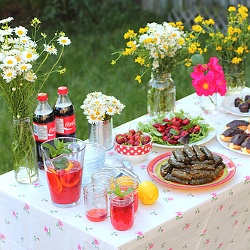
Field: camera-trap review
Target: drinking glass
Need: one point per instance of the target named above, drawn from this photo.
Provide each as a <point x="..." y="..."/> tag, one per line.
<point x="125" y="182"/>
<point x="121" y="211"/>
<point x="95" y="201"/>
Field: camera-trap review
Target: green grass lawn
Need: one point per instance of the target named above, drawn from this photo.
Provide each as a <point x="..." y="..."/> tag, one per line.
<point x="88" y="64"/>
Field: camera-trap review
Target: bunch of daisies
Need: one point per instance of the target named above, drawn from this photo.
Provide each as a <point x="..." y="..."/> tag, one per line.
<point x="21" y="59"/>
<point x="99" y="107"/>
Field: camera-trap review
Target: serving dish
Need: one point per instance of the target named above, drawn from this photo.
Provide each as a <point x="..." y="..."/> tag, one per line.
<point x="228" y="105"/>
<point x="154" y="166"/>
<point x="225" y="144"/>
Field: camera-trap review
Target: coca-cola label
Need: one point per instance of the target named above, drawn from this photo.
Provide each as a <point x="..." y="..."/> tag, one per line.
<point x="65" y="125"/>
<point x="44" y="132"/>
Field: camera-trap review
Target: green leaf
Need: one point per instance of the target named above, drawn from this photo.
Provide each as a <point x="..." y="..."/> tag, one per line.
<point x="197" y="59"/>
<point x="61" y="163"/>
<point x="190" y="69"/>
<point x="174" y="131"/>
<point x="52" y="150"/>
<point x="64" y="151"/>
<point x="57" y="143"/>
<point x="119" y="193"/>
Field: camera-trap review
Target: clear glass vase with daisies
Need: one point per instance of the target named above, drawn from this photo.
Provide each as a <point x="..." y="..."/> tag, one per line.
<point x="100" y="109"/>
<point x="159" y="48"/>
<point x="231" y="45"/>
<point x="22" y="57"/>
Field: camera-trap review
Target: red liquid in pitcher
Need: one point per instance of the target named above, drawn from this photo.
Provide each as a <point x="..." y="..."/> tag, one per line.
<point x="97" y="215"/>
<point x="122" y="215"/>
<point x="65" y="185"/>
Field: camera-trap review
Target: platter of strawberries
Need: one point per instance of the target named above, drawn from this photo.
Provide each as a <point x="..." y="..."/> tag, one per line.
<point x="178" y="129"/>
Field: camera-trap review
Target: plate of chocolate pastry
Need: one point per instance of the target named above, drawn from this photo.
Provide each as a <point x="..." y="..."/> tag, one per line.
<point x="235" y="136"/>
<point x="192" y="167"/>
<point x="237" y="104"/>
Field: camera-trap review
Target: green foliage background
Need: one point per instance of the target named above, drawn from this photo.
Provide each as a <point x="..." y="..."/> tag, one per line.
<point x="96" y="29"/>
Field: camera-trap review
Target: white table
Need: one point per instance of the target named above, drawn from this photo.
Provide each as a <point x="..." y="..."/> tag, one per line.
<point x="210" y="218"/>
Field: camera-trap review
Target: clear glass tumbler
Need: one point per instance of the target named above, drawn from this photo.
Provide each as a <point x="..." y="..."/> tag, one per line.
<point x="95" y="201"/>
<point x="104" y="176"/>
<point x="121" y="211"/>
<point x="125" y="182"/>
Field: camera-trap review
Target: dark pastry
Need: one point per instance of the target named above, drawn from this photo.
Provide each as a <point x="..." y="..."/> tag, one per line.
<point x="244" y="107"/>
<point x="229" y="133"/>
<point x="242" y="124"/>
<point x="245" y="146"/>
<point x="181" y="174"/>
<point x="207" y="152"/>
<point x="189" y="152"/>
<point x="237" y="140"/>
<point x="237" y="101"/>
<point x="247" y="98"/>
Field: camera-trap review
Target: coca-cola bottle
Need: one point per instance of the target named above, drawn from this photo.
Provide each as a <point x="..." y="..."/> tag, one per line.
<point x="44" y="125"/>
<point x="64" y="114"/>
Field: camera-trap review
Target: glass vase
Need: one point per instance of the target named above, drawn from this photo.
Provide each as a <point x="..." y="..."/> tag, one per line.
<point x="161" y="94"/>
<point x="208" y="103"/>
<point x="234" y="75"/>
<point x="102" y="133"/>
<point x="24" y="151"/>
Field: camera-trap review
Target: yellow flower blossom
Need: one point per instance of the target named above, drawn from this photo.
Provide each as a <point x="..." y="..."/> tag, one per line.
<point x="209" y="22"/>
<point x="198" y="19"/>
<point x="236" y="60"/>
<point x="138" y="78"/>
<point x="231" y="9"/>
<point x="113" y="62"/>
<point x="197" y="28"/>
<point x="129" y="34"/>
<point x="240" y="50"/>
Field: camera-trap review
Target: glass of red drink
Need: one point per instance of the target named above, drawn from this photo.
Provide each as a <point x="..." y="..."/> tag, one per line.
<point x="95" y="201"/>
<point x="64" y="172"/>
<point x="125" y="182"/>
<point x="121" y="211"/>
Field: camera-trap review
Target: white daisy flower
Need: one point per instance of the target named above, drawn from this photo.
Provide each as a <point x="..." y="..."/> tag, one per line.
<point x="155" y="64"/>
<point x="8" y="74"/>
<point x="50" y="49"/>
<point x="5" y="47"/>
<point x="7" y="32"/>
<point x="30" y="76"/>
<point x="7" y="20"/>
<point x="21" y="31"/>
<point x="29" y="56"/>
<point x="9" y="61"/>
<point x="63" y="40"/>
<point x="24" y="67"/>
<point x="24" y="40"/>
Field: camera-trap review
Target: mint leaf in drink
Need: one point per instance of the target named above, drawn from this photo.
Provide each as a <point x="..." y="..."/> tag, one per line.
<point x="119" y="193"/>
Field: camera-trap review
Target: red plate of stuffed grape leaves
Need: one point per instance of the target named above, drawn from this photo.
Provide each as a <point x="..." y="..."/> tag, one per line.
<point x="192" y="167"/>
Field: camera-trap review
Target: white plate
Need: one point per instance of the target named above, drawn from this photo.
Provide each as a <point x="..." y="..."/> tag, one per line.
<point x="209" y="137"/>
<point x="225" y="144"/>
<point x="228" y="104"/>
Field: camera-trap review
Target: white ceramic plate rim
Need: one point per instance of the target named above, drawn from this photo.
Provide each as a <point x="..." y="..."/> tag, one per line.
<point x="228" y="104"/>
<point x="225" y="144"/>
<point x="209" y="137"/>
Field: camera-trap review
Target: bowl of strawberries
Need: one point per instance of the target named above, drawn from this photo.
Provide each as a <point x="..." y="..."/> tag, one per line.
<point x="133" y="146"/>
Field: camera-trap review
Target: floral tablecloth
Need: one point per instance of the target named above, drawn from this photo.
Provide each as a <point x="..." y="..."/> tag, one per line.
<point x="208" y="218"/>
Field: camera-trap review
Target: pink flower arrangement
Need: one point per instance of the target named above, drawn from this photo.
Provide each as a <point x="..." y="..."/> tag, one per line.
<point x="209" y="78"/>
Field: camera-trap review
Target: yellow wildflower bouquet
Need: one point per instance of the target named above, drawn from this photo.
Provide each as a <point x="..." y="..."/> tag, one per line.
<point x="159" y="47"/>
<point x="231" y="46"/>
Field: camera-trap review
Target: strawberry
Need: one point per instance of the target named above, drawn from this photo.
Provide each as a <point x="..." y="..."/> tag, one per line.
<point x="174" y="127"/>
<point x="164" y="138"/>
<point x="138" y="132"/>
<point x="183" y="132"/>
<point x="171" y="141"/>
<point x="131" y="137"/>
<point x="166" y="120"/>
<point x="130" y="142"/>
<point x="185" y="122"/>
<point x="190" y="131"/>
<point x="196" y="129"/>
<point x="120" y="139"/>
<point x="138" y="138"/>
<point x="176" y="137"/>
<point x="131" y="132"/>
<point x="161" y="128"/>
<point x="156" y="125"/>
<point x="146" y="139"/>
<point x="136" y="143"/>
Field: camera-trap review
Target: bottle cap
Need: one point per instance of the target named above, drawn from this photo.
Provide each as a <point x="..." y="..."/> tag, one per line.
<point x="62" y="90"/>
<point x="42" y="97"/>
